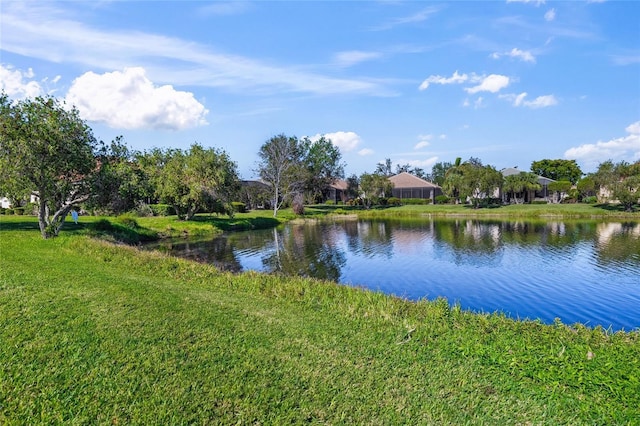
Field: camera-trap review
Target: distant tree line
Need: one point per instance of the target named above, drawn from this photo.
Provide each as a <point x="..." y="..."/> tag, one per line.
<point x="48" y="152"/>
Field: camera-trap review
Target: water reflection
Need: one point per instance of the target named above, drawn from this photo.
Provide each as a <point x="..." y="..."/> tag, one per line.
<point x="585" y="271"/>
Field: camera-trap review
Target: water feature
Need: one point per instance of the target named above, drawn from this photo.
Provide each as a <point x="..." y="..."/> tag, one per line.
<point x="578" y="271"/>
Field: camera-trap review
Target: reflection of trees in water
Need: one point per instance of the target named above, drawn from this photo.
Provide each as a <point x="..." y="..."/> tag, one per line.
<point x="306" y="250"/>
<point x="618" y="242"/>
<point x="314" y="249"/>
<point x="216" y="251"/>
<point x="469" y="241"/>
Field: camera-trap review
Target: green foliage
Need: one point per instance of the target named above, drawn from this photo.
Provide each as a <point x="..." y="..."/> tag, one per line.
<point x="330" y="202"/>
<point x="46" y="149"/>
<point x="516" y="185"/>
<point x="322" y="163"/>
<point x="121" y="182"/>
<point x="590" y="200"/>
<point x="442" y="199"/>
<point x="128" y="220"/>
<point x="192" y="180"/>
<point x="18" y="211"/>
<point x="557" y="169"/>
<point x="161" y="209"/>
<point x="374" y="188"/>
<point x="239" y="207"/>
<point x="416" y="201"/>
<point x="394" y="201"/>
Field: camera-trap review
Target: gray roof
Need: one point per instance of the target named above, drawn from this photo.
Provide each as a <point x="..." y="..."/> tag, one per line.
<point x="514" y="171"/>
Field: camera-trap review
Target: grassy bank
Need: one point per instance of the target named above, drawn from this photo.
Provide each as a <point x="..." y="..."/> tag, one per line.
<point x="97" y="333"/>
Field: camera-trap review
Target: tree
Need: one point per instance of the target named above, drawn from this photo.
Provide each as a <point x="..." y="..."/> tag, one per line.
<point x="47" y="150"/>
<point x="374" y="186"/>
<point x="626" y="189"/>
<point x="453" y="181"/>
<point x="121" y="183"/>
<point x="438" y="172"/>
<point x="586" y="187"/>
<point x="519" y="183"/>
<point x="559" y="187"/>
<point x="281" y="166"/>
<point x="323" y="166"/>
<point x="557" y="169"/>
<point x="620" y="181"/>
<point x="196" y="179"/>
<point x="384" y="169"/>
<point x="479" y="182"/>
<point x="353" y="187"/>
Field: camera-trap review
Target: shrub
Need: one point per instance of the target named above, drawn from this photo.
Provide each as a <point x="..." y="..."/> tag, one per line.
<point x="128" y="221"/>
<point x="31" y="209"/>
<point x="394" y="201"/>
<point x="416" y="201"/>
<point x="442" y="199"/>
<point x="539" y="202"/>
<point x="161" y="209"/>
<point x="590" y="200"/>
<point x="8" y="211"/>
<point x="103" y="225"/>
<point x="18" y="211"/>
<point x="143" y="209"/>
<point x="329" y="202"/>
<point x="239" y="207"/>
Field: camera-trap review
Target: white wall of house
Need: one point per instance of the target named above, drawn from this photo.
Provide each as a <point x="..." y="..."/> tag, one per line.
<point x="5" y="203"/>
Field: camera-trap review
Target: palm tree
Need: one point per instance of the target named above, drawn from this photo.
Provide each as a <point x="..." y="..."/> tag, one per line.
<point x="521" y="183"/>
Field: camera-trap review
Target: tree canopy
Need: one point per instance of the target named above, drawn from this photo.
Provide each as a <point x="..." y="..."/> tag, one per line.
<point x="558" y="169"/>
<point x="281" y="167"/>
<point x="48" y="151"/>
<point x="195" y="179"/>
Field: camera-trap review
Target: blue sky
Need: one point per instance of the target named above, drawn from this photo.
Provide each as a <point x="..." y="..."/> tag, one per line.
<point x="418" y="82"/>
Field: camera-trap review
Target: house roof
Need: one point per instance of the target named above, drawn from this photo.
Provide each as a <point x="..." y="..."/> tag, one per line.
<point x="407" y="180"/>
<point x="514" y="171"/>
<point x="340" y="184"/>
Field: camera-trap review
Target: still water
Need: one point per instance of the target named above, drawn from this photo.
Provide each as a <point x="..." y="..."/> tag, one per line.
<point x="578" y="271"/>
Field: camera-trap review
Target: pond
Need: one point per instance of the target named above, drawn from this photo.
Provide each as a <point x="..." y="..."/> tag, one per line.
<point x="577" y="271"/>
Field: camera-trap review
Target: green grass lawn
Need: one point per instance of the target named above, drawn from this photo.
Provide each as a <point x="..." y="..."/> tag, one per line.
<point x="98" y="333"/>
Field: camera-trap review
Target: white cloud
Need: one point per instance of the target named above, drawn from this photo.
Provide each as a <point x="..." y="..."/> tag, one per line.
<point x="14" y="83"/>
<point x="426" y="164"/>
<point x="420" y="16"/>
<point x="345" y="141"/>
<point x="424" y="141"/>
<point x="539" y="102"/>
<point x="129" y="100"/>
<point x="492" y="83"/>
<point x="33" y="29"/>
<point x="624" y="148"/>
<point x="354" y="57"/>
<point x="225" y="8"/>
<point x="516" y="53"/>
<point x="436" y="79"/>
<point x="550" y="15"/>
<point x="366" y="151"/>
<point x="536" y="2"/>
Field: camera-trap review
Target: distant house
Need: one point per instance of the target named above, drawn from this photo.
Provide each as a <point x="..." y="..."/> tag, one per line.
<point x="337" y="191"/>
<point x="406" y="185"/>
<point x="542" y="194"/>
